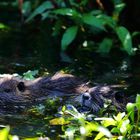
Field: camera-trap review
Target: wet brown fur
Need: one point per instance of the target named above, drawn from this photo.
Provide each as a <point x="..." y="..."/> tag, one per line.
<point x="16" y="91"/>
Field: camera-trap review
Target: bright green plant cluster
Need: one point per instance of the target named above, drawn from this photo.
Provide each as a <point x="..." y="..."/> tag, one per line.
<point x="81" y="126"/>
<point x="30" y="75"/>
<point x="75" y="21"/>
<point x="123" y="126"/>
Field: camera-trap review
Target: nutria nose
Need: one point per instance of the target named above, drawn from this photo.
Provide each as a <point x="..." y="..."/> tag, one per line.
<point x="86" y="96"/>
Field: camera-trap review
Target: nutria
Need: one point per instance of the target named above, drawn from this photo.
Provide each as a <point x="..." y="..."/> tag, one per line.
<point x="18" y="92"/>
<point x="96" y="96"/>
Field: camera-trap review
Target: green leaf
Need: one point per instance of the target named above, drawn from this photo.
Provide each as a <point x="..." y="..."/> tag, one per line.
<point x="29" y="75"/>
<point x="135" y="34"/>
<point x="119" y="116"/>
<point x="26" y="8"/>
<point x="59" y="121"/>
<point x="104" y="131"/>
<point x="4" y="133"/>
<point x="138" y="101"/>
<point x="126" y="39"/>
<point x="130" y="109"/>
<point x="119" y="7"/>
<point x="135" y="136"/>
<point x="108" y="21"/>
<point x="44" y="6"/>
<point x="138" y="98"/>
<point x="108" y="122"/>
<point x="93" y="21"/>
<point x="45" y="15"/>
<point x="68" y="36"/>
<point x="115" y="130"/>
<point x="99" y="136"/>
<point x="3" y="26"/>
<point x="66" y="12"/>
<point x="125" y="126"/>
<point x="63" y="108"/>
<point x="105" y="46"/>
<point x="31" y="138"/>
<point x="92" y="127"/>
<point x="95" y="127"/>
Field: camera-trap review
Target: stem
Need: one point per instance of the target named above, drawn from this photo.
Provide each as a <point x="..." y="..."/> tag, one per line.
<point x="137" y="123"/>
<point x="20" y="4"/>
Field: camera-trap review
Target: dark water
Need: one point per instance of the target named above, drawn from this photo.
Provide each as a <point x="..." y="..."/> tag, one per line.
<point x="18" y="65"/>
<point x="30" y="126"/>
<point x="26" y="125"/>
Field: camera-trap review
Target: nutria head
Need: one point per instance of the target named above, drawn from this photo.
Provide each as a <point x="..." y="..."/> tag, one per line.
<point x="95" y="98"/>
<point x="11" y="85"/>
<point x="11" y="89"/>
<point x="92" y="100"/>
<point x="15" y="90"/>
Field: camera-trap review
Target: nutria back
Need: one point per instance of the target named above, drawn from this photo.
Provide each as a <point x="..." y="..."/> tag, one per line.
<point x="66" y="83"/>
<point x="18" y="92"/>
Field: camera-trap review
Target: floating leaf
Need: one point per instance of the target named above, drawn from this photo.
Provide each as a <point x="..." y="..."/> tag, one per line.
<point x="68" y="36"/>
<point x="126" y="39"/>
<point x="93" y="21"/>
<point x="58" y="121"/>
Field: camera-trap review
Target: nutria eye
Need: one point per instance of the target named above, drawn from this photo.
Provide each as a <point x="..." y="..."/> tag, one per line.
<point x="21" y="86"/>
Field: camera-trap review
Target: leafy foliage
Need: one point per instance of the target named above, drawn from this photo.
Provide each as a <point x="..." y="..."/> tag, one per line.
<point x="120" y="126"/>
<point x="77" y="125"/>
<point x="125" y="38"/>
<point x="30" y="75"/>
<point x="70" y="28"/>
<point x="43" y="7"/>
<point x="74" y="18"/>
<point x="68" y="37"/>
<point x="56" y="31"/>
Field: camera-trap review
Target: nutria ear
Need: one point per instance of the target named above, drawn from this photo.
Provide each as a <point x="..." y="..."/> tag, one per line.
<point x="21" y="86"/>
